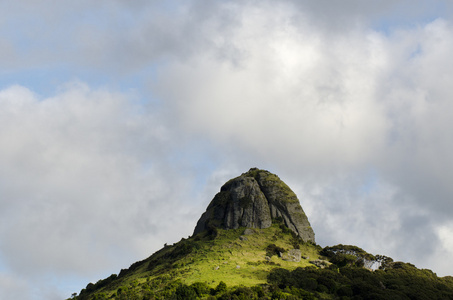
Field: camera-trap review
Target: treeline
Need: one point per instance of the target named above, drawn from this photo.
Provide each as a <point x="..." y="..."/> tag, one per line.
<point x="399" y="281"/>
<point x="179" y="291"/>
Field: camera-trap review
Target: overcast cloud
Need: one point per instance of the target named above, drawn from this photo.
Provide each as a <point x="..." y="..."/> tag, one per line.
<point x="119" y="122"/>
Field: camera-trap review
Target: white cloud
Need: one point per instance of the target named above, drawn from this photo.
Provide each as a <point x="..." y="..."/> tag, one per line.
<point x="13" y="287"/>
<point x="292" y="92"/>
<point x="417" y="100"/>
<point x="82" y="183"/>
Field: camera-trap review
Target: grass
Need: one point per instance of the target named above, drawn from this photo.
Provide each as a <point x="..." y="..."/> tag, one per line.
<point x="237" y="261"/>
<point x="231" y="257"/>
<point x="240" y="261"/>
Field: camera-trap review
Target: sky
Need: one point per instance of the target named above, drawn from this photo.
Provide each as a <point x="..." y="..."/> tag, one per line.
<point x="120" y="120"/>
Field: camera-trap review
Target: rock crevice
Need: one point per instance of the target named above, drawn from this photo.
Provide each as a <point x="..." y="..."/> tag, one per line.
<point x="253" y="200"/>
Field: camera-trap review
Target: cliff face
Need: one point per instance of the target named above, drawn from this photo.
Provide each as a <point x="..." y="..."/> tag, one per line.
<point x="253" y="200"/>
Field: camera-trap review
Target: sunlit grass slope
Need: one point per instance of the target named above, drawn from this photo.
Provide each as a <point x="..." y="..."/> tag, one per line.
<point x="238" y="259"/>
<point x="248" y="264"/>
<point x="230" y="256"/>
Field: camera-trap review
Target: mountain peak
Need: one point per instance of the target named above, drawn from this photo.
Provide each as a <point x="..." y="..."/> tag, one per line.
<point x="270" y="263"/>
<point x="255" y="199"/>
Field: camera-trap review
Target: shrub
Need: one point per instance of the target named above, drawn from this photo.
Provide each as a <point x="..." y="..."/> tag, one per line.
<point x="221" y="288"/>
<point x="200" y="288"/>
<point x="273" y="249"/>
<point x="184" y="292"/>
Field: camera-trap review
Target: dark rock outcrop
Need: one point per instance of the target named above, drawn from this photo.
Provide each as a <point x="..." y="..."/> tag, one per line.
<point x="254" y="200"/>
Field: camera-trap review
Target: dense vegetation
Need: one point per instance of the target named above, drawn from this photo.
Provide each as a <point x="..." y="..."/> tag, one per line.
<point x="226" y="264"/>
<point x="401" y="281"/>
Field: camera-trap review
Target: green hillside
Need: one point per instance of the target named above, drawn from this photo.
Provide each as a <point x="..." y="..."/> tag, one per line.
<point x="228" y="264"/>
<point x="255" y="242"/>
<point x="226" y="255"/>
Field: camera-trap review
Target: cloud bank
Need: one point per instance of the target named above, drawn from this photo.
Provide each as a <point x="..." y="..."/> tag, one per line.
<point x="77" y="170"/>
<point x="361" y="111"/>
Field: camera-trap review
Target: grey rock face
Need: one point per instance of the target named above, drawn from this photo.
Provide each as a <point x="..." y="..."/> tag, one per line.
<point x="249" y="231"/>
<point x="253" y="200"/>
<point x="292" y="255"/>
<point x="320" y="263"/>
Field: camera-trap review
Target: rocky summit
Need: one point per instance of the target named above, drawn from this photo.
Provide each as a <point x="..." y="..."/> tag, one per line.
<point x="254" y="200"/>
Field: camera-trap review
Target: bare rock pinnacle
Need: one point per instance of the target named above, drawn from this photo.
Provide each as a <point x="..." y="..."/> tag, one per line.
<point x="254" y="200"/>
